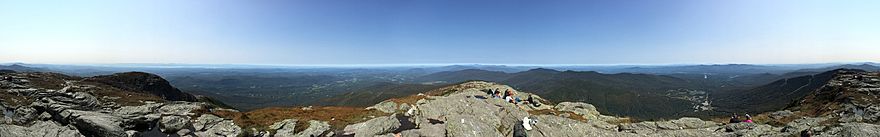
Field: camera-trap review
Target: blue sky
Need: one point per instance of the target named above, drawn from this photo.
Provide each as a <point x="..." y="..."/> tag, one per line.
<point x="439" y="31"/>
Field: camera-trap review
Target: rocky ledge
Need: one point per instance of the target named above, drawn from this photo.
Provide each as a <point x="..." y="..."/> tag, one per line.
<point x="48" y="104"/>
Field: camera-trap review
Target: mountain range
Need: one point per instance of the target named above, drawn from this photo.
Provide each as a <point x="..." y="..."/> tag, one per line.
<point x="844" y="103"/>
<point x="643" y="92"/>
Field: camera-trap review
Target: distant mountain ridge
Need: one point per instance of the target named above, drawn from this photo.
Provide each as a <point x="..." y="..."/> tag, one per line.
<point x="864" y="66"/>
<point x="21" y="68"/>
<point x="143" y="82"/>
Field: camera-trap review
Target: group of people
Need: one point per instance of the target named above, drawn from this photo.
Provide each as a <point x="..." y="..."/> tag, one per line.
<point x="508" y="96"/>
<point x="521" y="127"/>
<point x="735" y="119"/>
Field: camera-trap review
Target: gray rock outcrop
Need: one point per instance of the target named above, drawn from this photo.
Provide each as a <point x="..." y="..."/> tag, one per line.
<point x="210" y="125"/>
<point x="315" y="128"/>
<point x="284" y="128"/>
<point x="73" y="109"/>
<point x="99" y="124"/>
<point x="173" y="123"/>
<point x="385" y="106"/>
<point x="373" y="127"/>
<point x="39" y="129"/>
<point x="588" y="111"/>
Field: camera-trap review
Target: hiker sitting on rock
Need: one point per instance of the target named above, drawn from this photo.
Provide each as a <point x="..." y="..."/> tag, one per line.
<point x="531" y="100"/>
<point x="748" y="119"/>
<point x="734" y="119"/>
<point x="508" y="96"/>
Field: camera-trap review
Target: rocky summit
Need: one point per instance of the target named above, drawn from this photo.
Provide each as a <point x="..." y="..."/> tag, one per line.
<point x="48" y="104"/>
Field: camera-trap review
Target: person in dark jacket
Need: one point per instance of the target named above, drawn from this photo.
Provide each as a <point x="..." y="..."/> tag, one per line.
<point x="532" y="101"/>
<point x="734" y="119"/>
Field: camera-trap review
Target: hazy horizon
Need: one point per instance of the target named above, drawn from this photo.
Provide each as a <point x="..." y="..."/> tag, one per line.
<point x="320" y="32"/>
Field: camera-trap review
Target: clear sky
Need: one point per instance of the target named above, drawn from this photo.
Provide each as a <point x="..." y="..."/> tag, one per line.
<point x="439" y="31"/>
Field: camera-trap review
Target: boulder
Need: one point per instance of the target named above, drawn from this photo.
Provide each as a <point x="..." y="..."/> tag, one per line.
<point x="588" y="111"/>
<point x="206" y="122"/>
<point x="39" y="129"/>
<point x="138" y="115"/>
<point x="209" y="125"/>
<point x="69" y="100"/>
<point x="284" y="128"/>
<point x="24" y="114"/>
<point x="385" y="106"/>
<point x="373" y="127"/>
<point x="94" y="123"/>
<point x="135" y="111"/>
<point x="315" y="129"/>
<point x="84" y="100"/>
<point x="183" y="132"/>
<point x="180" y="108"/>
<point x="404" y="107"/>
<point x="171" y="124"/>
